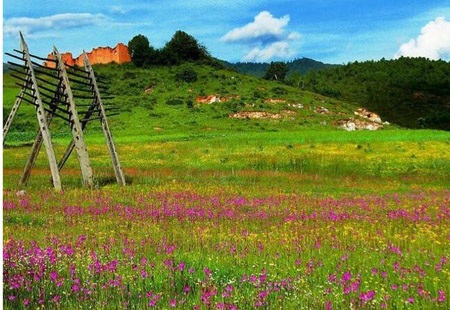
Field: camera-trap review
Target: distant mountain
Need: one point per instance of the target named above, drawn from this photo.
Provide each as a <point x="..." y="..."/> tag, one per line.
<point x="300" y="66"/>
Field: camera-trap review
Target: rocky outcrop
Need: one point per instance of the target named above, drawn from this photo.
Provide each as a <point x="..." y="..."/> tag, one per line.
<point x="364" y="113"/>
<point x="358" y="124"/>
<point x="99" y="55"/>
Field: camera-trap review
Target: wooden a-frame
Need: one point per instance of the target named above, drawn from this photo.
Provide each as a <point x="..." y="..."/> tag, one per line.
<point x="62" y="94"/>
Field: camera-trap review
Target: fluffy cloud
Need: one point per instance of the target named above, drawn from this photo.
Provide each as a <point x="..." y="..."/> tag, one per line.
<point x="264" y="27"/>
<point x="265" y="36"/>
<point x="433" y="42"/>
<point x="278" y="49"/>
<point x="28" y="25"/>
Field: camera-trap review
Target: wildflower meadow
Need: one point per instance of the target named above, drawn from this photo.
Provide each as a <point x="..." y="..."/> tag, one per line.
<point x="232" y="239"/>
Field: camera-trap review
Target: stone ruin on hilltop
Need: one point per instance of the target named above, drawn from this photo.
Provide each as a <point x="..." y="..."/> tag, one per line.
<point x="99" y="55"/>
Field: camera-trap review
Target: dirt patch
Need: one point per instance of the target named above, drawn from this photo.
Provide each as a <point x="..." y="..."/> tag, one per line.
<point x="272" y="100"/>
<point x="149" y="90"/>
<point x="262" y="115"/>
<point x="322" y="110"/>
<point x="208" y="99"/>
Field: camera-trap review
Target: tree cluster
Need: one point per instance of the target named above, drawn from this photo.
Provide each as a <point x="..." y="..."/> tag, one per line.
<point x="181" y="48"/>
<point x="411" y="92"/>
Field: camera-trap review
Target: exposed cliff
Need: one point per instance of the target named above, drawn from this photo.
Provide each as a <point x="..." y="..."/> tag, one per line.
<point x="99" y="55"/>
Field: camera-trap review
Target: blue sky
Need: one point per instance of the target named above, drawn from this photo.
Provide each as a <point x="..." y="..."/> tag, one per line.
<point x="335" y="31"/>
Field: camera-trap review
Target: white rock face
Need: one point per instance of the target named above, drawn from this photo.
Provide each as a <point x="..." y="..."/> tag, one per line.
<point x="349" y="126"/>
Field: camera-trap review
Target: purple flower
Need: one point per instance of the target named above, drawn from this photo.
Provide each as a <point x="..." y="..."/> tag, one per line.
<point x="441" y="297"/>
<point x="367" y="296"/>
<point x="346" y="277"/>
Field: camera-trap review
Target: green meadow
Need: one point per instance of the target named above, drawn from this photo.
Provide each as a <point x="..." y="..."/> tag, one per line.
<point x="225" y="213"/>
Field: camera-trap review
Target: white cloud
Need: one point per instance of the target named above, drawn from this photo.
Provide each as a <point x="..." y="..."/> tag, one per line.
<point x="116" y="9"/>
<point x="294" y="36"/>
<point x="433" y="42"/>
<point x="266" y="38"/>
<point x="278" y="49"/>
<point x="29" y="25"/>
<point x="265" y="26"/>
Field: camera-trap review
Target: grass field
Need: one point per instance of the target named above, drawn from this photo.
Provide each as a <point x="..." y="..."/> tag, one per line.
<point x="222" y="214"/>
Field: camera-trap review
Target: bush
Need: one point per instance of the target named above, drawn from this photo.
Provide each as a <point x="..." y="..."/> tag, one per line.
<point x="276" y="71"/>
<point x="187" y="75"/>
<point x="174" y="101"/>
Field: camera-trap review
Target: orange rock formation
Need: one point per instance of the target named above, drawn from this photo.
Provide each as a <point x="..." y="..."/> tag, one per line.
<point x="99" y="55"/>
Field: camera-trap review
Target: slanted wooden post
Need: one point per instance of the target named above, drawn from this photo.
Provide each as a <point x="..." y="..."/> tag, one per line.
<point x="77" y="132"/>
<point x="37" y="144"/>
<point x="97" y="105"/>
<point x="13" y="113"/>
<point x="104" y="121"/>
<point x="42" y="119"/>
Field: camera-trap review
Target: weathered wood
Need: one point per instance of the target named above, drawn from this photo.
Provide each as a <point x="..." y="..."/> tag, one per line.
<point x="97" y="104"/>
<point x="42" y="120"/>
<point x="77" y="132"/>
<point x="12" y="114"/>
<point x="120" y="177"/>
<point x="37" y="144"/>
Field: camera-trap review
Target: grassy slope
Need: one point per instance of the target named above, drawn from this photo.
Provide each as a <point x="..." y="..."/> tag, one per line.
<point x="142" y="112"/>
<point x="159" y="143"/>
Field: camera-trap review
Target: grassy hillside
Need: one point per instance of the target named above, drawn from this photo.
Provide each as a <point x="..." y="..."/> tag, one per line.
<point x="157" y="100"/>
<point x="411" y="92"/>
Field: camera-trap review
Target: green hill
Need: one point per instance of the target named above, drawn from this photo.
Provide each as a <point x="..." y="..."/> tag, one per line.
<point x="159" y="99"/>
<point x="300" y="66"/>
<point x="411" y="92"/>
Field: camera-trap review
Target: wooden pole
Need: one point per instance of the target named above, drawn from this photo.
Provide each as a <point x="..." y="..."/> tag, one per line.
<point x="37" y="144"/>
<point x="42" y="120"/>
<point x="12" y="114"/>
<point x="120" y="177"/>
<point x="77" y="132"/>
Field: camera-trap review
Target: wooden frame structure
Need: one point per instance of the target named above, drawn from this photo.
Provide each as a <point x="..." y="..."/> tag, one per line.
<point x="52" y="90"/>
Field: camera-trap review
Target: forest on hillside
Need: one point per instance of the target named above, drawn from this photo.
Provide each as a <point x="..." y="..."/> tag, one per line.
<point x="411" y="92"/>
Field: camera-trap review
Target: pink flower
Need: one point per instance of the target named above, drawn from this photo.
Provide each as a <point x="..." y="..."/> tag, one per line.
<point x="367" y="296"/>
<point x="410" y="300"/>
<point x="12" y="297"/>
<point x="53" y="275"/>
<point x="441" y="297"/>
<point x="26" y="302"/>
<point x="173" y="303"/>
<point x="328" y="305"/>
<point x="346" y="277"/>
<point x="181" y="266"/>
